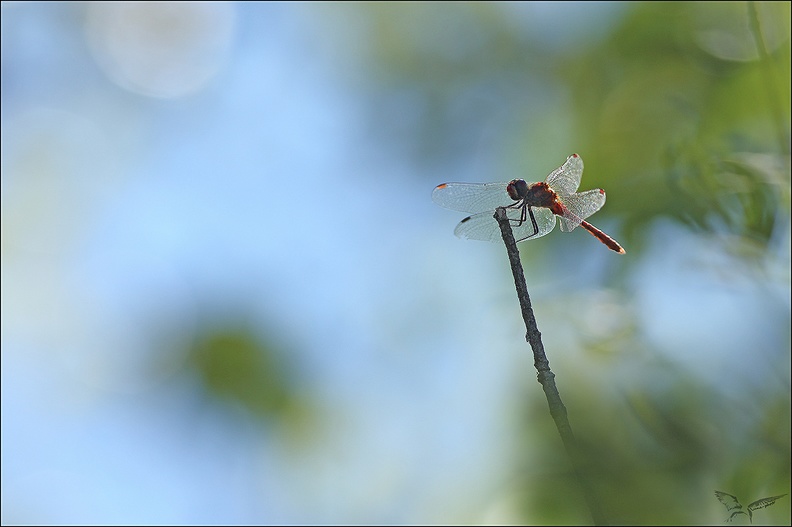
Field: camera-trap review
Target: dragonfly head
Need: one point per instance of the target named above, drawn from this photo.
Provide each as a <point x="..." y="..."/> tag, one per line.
<point x="517" y="188"/>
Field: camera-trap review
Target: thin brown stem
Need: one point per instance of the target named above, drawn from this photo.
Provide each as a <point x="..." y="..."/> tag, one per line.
<point x="544" y="375"/>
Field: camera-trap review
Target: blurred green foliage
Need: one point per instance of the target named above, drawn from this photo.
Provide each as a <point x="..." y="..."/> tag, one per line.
<point x="238" y="366"/>
<point x="681" y="110"/>
<point x="674" y="111"/>
<point x="655" y="452"/>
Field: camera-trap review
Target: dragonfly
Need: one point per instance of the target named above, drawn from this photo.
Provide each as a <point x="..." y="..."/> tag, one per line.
<point x="531" y="207"/>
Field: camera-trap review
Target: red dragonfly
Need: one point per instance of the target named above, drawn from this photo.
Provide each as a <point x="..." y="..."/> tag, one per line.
<point x="531" y="207"/>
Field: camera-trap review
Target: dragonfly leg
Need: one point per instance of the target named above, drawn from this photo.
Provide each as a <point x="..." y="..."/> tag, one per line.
<point x="533" y="222"/>
<point x="522" y="214"/>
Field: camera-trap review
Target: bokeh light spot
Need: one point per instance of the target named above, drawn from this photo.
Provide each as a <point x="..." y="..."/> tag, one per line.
<point x="160" y="49"/>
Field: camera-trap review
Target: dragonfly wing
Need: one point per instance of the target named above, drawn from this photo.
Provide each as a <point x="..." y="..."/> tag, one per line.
<point x="480" y="226"/>
<point x="483" y="226"/>
<point x="580" y="206"/>
<point x="565" y="179"/>
<point x="545" y="221"/>
<point x="472" y="197"/>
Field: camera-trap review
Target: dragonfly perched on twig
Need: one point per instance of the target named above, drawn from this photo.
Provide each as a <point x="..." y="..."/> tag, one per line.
<point x="531" y="207"/>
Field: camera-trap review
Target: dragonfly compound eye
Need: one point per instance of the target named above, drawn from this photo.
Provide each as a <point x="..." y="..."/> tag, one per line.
<point x="517" y="188"/>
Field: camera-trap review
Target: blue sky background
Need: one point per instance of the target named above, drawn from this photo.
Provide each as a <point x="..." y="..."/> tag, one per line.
<point x="168" y="170"/>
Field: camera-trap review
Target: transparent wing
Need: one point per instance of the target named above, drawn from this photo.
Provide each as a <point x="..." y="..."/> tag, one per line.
<point x="545" y="221"/>
<point x="565" y="179"/>
<point x="472" y="197"/>
<point x="580" y="206"/>
<point x="483" y="226"/>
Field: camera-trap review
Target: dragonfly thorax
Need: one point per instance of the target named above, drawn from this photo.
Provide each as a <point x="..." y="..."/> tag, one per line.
<point x="533" y="195"/>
